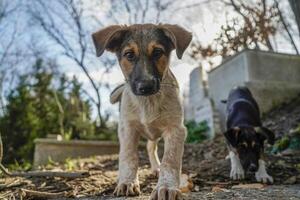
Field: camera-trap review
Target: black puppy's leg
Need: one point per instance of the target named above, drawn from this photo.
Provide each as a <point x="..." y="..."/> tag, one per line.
<point x="261" y="175"/>
<point x="237" y="171"/>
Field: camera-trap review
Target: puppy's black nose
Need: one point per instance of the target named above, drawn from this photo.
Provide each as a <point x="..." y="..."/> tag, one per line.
<point x="252" y="168"/>
<point x="146" y="87"/>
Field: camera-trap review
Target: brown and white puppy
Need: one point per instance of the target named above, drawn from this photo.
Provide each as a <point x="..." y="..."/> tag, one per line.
<point x="150" y="104"/>
<point x="246" y="136"/>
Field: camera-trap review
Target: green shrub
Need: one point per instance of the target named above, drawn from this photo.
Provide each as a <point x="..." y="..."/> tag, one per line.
<point x="281" y="144"/>
<point x="295" y="139"/>
<point x="288" y="142"/>
<point x="196" y="131"/>
<point x="42" y="103"/>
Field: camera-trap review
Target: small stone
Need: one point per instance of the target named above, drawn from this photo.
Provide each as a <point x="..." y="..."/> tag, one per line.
<point x="290" y="152"/>
<point x="208" y="155"/>
<point x="291" y="180"/>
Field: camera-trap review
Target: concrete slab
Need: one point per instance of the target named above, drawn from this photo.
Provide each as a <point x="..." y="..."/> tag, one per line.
<point x="198" y="106"/>
<point x="60" y="150"/>
<point x="273" y="78"/>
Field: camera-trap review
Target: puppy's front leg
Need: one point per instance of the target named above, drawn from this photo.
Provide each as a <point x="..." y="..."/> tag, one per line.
<point x="261" y="175"/>
<point x="237" y="171"/>
<point x="128" y="184"/>
<point x="168" y="183"/>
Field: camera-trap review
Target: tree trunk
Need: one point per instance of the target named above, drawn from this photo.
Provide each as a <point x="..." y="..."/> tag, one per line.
<point x="295" y="4"/>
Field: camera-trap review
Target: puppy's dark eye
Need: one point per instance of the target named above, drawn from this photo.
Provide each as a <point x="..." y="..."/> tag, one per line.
<point x="157" y="53"/>
<point x="129" y="55"/>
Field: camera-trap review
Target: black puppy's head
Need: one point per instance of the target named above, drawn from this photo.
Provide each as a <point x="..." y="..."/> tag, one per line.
<point x="143" y="51"/>
<point x="249" y="144"/>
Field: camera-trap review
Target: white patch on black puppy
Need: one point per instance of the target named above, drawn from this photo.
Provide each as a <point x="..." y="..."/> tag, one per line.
<point x="261" y="175"/>
<point x="237" y="171"/>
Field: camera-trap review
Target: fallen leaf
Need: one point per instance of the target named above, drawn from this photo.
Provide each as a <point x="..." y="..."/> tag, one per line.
<point x="186" y="184"/>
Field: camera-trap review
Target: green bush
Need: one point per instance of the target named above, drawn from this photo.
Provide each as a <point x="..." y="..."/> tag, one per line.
<point x="281" y="144"/>
<point x="42" y="103"/>
<point x="288" y="142"/>
<point x="196" y="131"/>
<point x="295" y="139"/>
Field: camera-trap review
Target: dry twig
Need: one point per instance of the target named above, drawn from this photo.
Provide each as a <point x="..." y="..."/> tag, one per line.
<point x="82" y="174"/>
<point x="42" y="195"/>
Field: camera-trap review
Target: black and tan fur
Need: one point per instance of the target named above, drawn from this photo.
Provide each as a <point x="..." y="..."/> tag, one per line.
<point x="245" y="135"/>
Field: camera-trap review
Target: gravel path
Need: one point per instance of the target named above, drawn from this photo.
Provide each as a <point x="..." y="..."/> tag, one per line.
<point x="277" y="192"/>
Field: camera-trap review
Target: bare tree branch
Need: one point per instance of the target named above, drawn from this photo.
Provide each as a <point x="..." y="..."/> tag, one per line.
<point x="51" y="28"/>
<point x="286" y="27"/>
<point x="128" y="11"/>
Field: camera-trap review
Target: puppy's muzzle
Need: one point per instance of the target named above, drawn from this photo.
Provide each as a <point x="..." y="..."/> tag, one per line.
<point x="252" y="167"/>
<point x="146" y="87"/>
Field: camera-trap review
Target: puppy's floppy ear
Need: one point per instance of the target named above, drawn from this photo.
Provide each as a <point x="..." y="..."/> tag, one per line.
<point x="232" y="136"/>
<point x="179" y="37"/>
<point x="266" y="134"/>
<point x="109" y="38"/>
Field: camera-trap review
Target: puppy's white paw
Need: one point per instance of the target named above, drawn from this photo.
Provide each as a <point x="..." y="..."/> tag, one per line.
<point x="263" y="177"/>
<point x="166" y="193"/>
<point x="237" y="173"/>
<point x="127" y="189"/>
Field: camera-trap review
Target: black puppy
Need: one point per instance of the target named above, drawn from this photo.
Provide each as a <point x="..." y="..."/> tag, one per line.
<point x="245" y="136"/>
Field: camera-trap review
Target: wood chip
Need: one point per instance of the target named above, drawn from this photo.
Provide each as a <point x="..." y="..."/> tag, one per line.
<point x="249" y="186"/>
<point x="218" y="189"/>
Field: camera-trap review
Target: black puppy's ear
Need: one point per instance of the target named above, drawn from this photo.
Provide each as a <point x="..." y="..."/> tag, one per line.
<point x="109" y="38"/>
<point x="266" y="133"/>
<point x="232" y="136"/>
<point x="179" y="37"/>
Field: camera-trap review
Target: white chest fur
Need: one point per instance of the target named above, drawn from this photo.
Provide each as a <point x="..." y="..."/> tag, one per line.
<point x="153" y="111"/>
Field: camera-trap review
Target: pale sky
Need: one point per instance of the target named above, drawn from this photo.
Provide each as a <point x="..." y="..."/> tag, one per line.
<point x="205" y="23"/>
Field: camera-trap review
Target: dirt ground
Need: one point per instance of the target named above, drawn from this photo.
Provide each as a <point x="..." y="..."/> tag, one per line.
<point x="204" y="164"/>
<point x="267" y="193"/>
<point x="284" y="118"/>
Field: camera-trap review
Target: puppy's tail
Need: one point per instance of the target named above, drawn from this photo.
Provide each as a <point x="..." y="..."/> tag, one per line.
<point x="116" y="94"/>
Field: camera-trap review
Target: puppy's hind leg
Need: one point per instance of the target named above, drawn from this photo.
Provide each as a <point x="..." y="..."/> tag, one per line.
<point x="153" y="157"/>
<point x="128" y="183"/>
